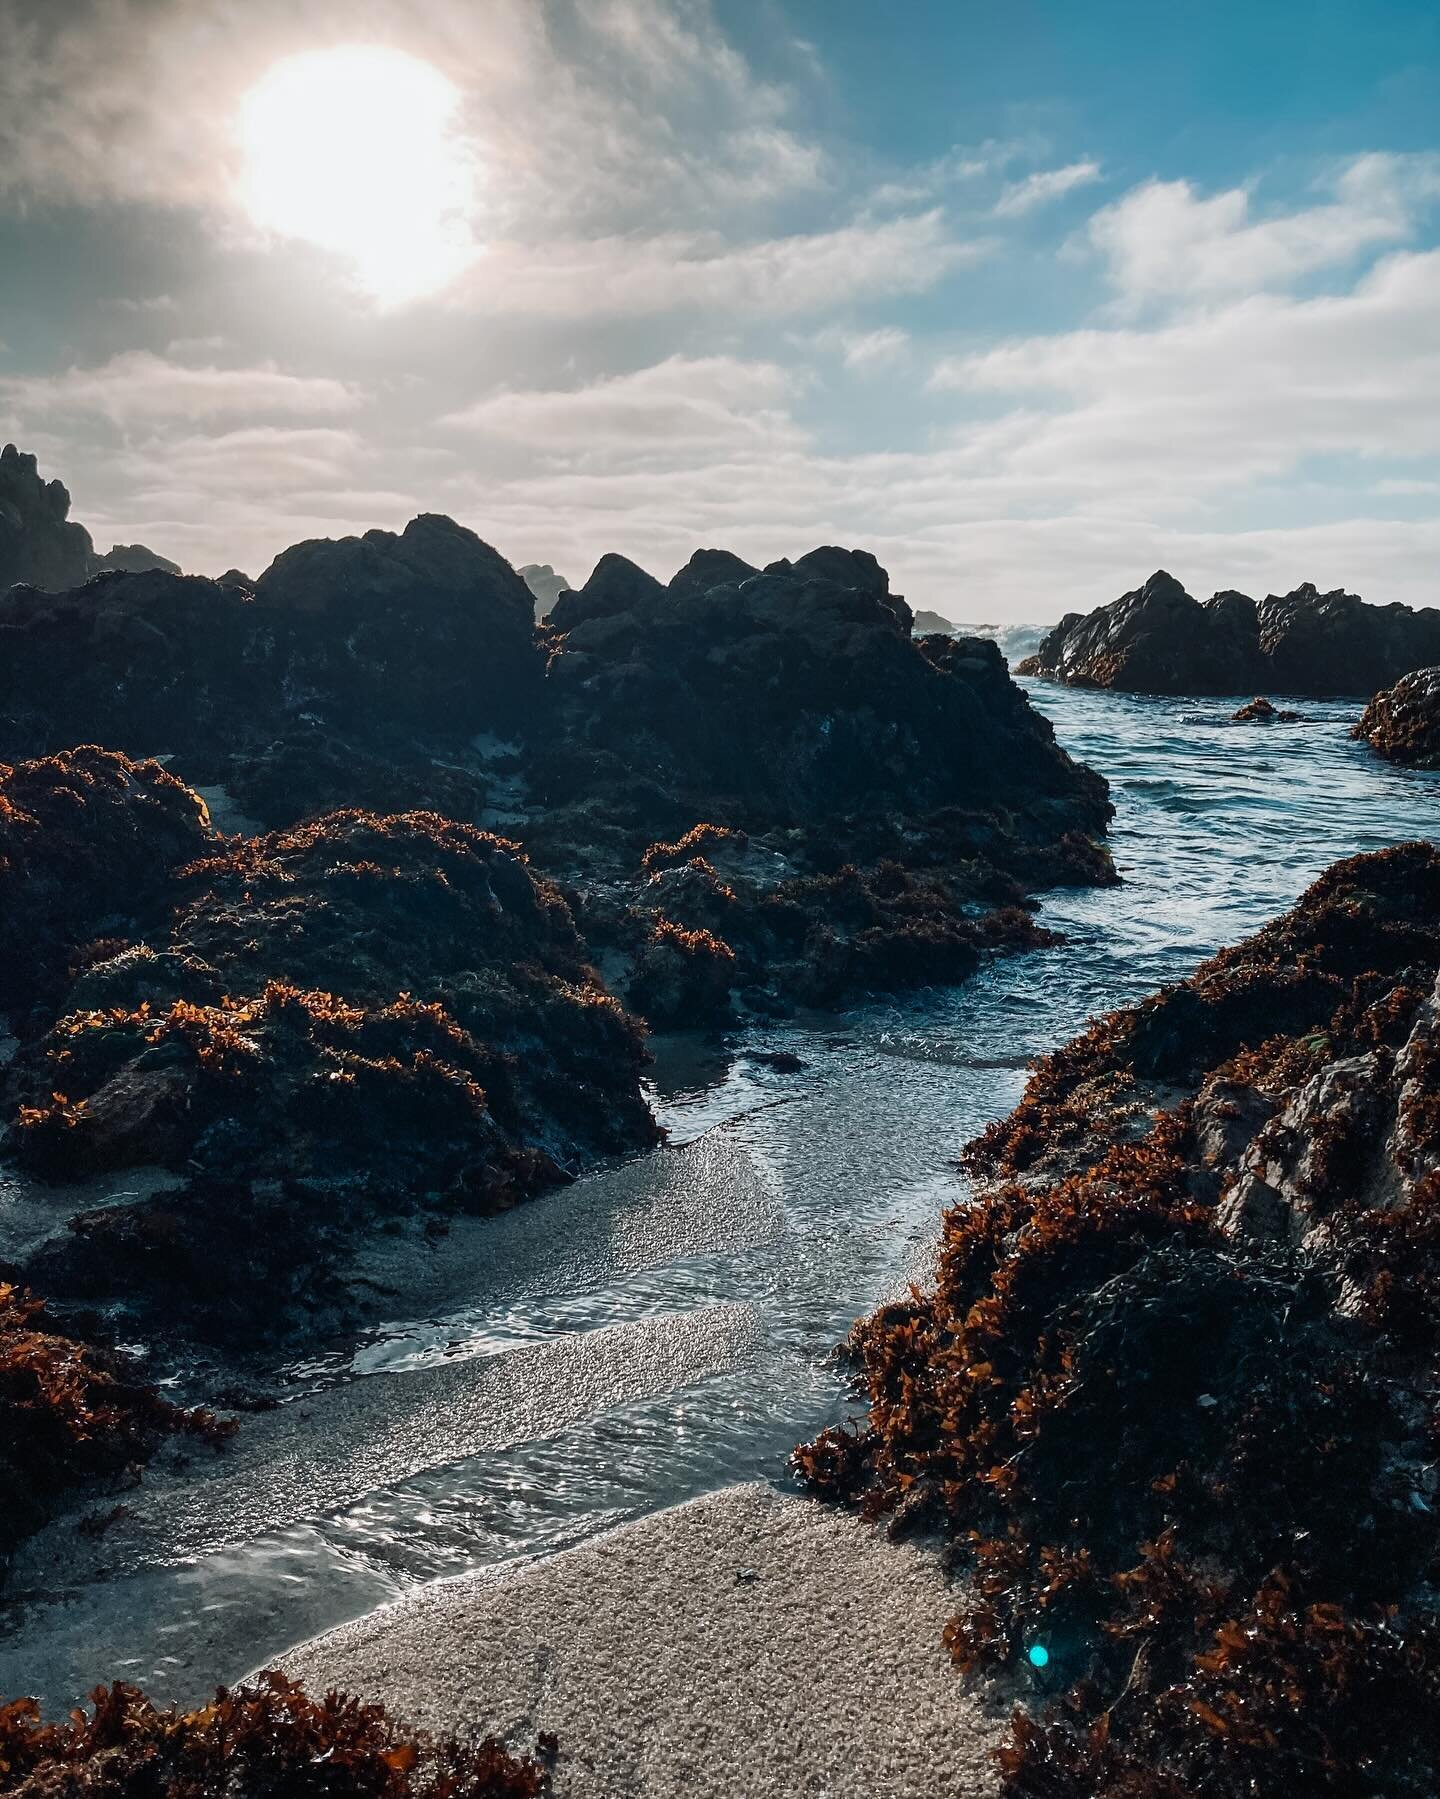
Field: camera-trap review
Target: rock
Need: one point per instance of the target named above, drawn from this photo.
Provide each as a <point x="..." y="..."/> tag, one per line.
<point x="544" y="584"/>
<point x="930" y="624"/>
<point x="131" y="559"/>
<point x="708" y="569"/>
<point x="1161" y="1393"/>
<point x="89" y="843"/>
<point x="234" y="577"/>
<point x="431" y="628"/>
<point x="1402" y="724"/>
<point x="1160" y="640"/>
<point x="366" y="1013"/>
<point x="1263" y="712"/>
<point x="38" y="542"/>
<point x="616" y="585"/>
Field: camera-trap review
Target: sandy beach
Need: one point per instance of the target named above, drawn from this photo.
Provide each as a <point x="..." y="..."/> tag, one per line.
<point x="745" y="1643"/>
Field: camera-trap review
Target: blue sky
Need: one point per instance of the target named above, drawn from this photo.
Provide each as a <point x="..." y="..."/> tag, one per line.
<point x="1029" y="299"/>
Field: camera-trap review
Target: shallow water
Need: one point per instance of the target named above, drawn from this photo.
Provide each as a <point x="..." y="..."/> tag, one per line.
<point x="665" y="1328"/>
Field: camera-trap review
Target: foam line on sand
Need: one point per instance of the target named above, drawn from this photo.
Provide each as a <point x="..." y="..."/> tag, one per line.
<point x="746" y="1643"/>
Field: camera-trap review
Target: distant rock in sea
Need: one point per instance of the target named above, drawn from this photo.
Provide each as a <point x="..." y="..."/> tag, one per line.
<point x="1159" y="639"/>
<point x="41" y="545"/>
<point x="1402" y="724"/>
<point x="544" y="583"/>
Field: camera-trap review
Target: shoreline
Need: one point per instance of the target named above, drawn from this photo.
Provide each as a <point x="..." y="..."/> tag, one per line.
<point x="746" y="1642"/>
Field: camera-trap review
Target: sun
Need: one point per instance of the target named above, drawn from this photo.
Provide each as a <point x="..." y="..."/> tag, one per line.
<point x="356" y="149"/>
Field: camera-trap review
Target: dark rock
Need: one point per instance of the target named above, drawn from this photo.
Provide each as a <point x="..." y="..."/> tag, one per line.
<point x="371" y="1012"/>
<point x="131" y="559"/>
<point x="1160" y="640"/>
<point x="234" y="577"/>
<point x="616" y="585"/>
<point x="707" y="569"/>
<point x="1264" y="712"/>
<point x="1162" y="1393"/>
<point x="1402" y="724"/>
<point x="38" y="543"/>
<point x="89" y="842"/>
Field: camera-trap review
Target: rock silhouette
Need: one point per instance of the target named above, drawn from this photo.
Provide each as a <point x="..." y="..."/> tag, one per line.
<point x="1159" y="639"/>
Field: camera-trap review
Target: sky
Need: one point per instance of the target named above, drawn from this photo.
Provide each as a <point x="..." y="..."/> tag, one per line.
<point x="1029" y="300"/>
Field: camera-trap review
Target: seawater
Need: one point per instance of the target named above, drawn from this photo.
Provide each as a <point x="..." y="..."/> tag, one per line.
<point x="666" y="1328"/>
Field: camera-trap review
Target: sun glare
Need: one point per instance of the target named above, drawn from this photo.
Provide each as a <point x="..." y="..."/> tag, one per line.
<point x="356" y="150"/>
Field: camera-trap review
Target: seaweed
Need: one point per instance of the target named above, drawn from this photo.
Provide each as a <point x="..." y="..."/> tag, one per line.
<point x="72" y="1414"/>
<point x="256" y="1742"/>
<point x="1171" y="1395"/>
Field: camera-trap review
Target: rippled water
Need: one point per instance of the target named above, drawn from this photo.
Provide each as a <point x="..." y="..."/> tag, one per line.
<point x="664" y="1328"/>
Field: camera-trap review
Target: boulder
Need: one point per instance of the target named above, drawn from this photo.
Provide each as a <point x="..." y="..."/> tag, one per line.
<point x="1402" y="724"/>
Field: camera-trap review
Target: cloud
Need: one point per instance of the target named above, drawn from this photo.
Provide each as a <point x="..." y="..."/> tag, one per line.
<point x="1219" y="400"/>
<point x="633" y="277"/>
<point x="865" y="350"/>
<point x="1044" y="186"/>
<point x="1162" y="240"/>
<point x="671" y="409"/>
<point x="139" y="387"/>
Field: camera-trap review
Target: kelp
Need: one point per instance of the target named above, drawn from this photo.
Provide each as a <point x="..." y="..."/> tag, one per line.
<point x="72" y="1414"/>
<point x="261" y="1741"/>
<point x="1172" y="1396"/>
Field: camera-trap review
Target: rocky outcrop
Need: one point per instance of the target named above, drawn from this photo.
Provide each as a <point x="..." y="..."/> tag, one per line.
<point x="40" y="545"/>
<point x="879" y="805"/>
<point x="360" y="1013"/>
<point x="1163" y="1393"/>
<point x="1402" y="724"/>
<point x="404" y="672"/>
<point x="131" y="559"/>
<point x="544" y="584"/>
<point x="89" y="844"/>
<point x="1159" y="639"/>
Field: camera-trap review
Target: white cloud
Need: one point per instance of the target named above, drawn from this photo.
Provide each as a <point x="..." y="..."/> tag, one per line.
<point x="672" y="409"/>
<point x="865" y="350"/>
<point x="807" y="272"/>
<point x="1163" y="240"/>
<point x="138" y="387"/>
<point x="1044" y="186"/>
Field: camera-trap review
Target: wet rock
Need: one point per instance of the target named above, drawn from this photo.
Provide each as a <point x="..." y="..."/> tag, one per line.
<point x="1159" y="639"/>
<point x="1402" y="724"/>
<point x="1162" y="1392"/>
<point x="1263" y="712"/>
<point x="89" y="843"/>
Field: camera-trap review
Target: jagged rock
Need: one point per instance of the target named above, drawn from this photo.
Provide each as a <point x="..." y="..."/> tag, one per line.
<point x="1159" y="639"/>
<point x="38" y="542"/>
<point x="544" y="584"/>
<point x="234" y="577"/>
<point x="1168" y="1391"/>
<point x="1402" y="724"/>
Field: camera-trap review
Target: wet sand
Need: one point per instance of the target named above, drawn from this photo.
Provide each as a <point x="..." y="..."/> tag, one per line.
<point x="745" y="1643"/>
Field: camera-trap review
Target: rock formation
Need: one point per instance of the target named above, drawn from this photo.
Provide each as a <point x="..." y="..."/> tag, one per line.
<point x="1402" y="724"/>
<point x="1159" y="639"/>
<point x="1164" y="1391"/>
<point x="40" y="544"/>
<point x="544" y="584"/>
<point x="1260" y="711"/>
